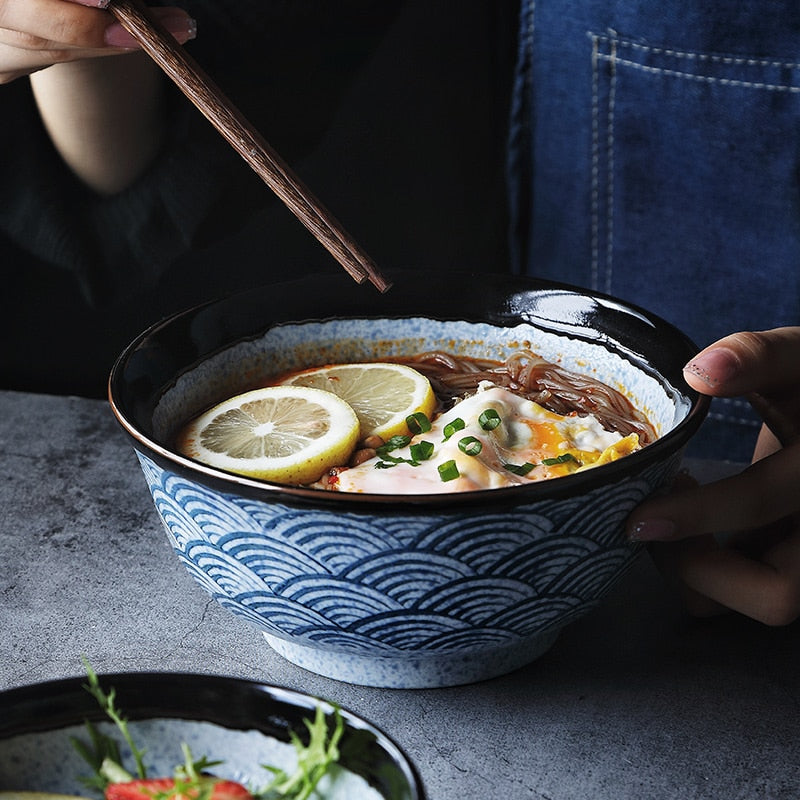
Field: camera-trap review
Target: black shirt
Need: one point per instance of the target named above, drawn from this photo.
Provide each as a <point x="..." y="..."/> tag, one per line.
<point x="394" y="114"/>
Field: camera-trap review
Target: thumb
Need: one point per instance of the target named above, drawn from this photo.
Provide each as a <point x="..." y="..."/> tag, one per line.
<point x="743" y="363"/>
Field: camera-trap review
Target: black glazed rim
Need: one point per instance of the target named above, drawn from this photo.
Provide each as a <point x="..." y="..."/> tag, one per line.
<point x="232" y="703"/>
<point x="153" y="361"/>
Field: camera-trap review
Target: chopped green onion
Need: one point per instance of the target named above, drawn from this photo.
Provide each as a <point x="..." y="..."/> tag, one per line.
<point x="421" y="451"/>
<point x="392" y="459"/>
<point x="418" y="423"/>
<point x="489" y="419"/>
<point x="519" y="469"/>
<point x="457" y="424"/>
<point x="448" y="471"/>
<point x="470" y="445"/>
<point x="394" y="443"/>
<point x="562" y="459"/>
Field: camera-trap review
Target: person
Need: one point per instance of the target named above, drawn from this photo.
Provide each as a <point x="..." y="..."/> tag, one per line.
<point x="640" y="163"/>
<point x="756" y="572"/>
<point x="120" y="204"/>
<point x="652" y="157"/>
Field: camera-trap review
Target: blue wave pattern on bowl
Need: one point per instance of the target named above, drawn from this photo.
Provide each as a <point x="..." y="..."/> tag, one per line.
<point x="436" y="595"/>
<point x="390" y="605"/>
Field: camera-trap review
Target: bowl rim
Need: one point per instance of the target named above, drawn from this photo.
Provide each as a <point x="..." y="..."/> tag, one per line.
<point x="52" y="705"/>
<point x="576" y="483"/>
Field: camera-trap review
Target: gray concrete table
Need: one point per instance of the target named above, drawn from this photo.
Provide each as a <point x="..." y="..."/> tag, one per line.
<point x="634" y="701"/>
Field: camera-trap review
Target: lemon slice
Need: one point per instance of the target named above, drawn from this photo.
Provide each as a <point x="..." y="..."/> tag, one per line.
<point x="286" y="434"/>
<point x="381" y="394"/>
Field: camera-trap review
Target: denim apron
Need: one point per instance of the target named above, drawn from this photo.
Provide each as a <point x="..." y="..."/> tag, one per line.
<point x="654" y="153"/>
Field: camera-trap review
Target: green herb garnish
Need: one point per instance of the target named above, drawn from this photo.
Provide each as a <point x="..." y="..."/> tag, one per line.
<point x="448" y="471"/>
<point x="457" y="424"/>
<point x="418" y="423"/>
<point x="104" y="757"/>
<point x="191" y="778"/>
<point x="519" y="469"/>
<point x="470" y="445"/>
<point x="562" y="459"/>
<point x="489" y="419"/>
<point x="421" y="451"/>
<point x="313" y="760"/>
<point x="394" y="443"/>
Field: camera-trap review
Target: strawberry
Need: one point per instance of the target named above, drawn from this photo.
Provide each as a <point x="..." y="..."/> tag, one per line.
<point x="230" y="790"/>
<point x="151" y="788"/>
<point x="139" y="790"/>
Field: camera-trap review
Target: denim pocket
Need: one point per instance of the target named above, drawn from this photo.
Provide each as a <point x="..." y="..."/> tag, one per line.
<point x="694" y="177"/>
<point x="694" y="187"/>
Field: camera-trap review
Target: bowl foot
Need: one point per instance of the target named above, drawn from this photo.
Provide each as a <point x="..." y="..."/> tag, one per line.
<point x="409" y="671"/>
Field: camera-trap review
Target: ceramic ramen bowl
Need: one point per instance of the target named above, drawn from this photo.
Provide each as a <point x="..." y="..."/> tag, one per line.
<point x="387" y="590"/>
<point x="243" y="724"/>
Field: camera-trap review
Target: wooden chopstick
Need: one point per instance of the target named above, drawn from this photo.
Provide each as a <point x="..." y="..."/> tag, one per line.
<point x="245" y="139"/>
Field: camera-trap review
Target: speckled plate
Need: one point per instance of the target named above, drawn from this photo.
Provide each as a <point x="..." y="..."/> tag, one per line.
<point x="243" y="723"/>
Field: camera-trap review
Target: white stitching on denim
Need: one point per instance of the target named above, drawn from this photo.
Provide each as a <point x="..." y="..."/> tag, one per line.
<point x="747" y="61"/>
<point x="527" y="90"/>
<point x="693" y="57"/>
<point x="595" y="214"/>
<point x="731" y="410"/>
<point x="612" y="96"/>
<point x="529" y="38"/>
<point x="775" y="87"/>
<point x="721" y="416"/>
<point x="733" y="401"/>
<point x="595" y="177"/>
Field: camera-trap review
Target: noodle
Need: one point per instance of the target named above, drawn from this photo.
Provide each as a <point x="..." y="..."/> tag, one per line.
<point x="530" y="376"/>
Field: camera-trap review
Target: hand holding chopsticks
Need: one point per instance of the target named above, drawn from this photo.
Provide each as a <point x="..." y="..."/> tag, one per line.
<point x="245" y="139"/>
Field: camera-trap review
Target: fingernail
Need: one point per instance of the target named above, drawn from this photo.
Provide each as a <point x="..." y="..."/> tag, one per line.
<point x="116" y="36"/>
<point x="714" y="366"/>
<point x="182" y="28"/>
<point x="189" y="31"/>
<point x="652" y="530"/>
